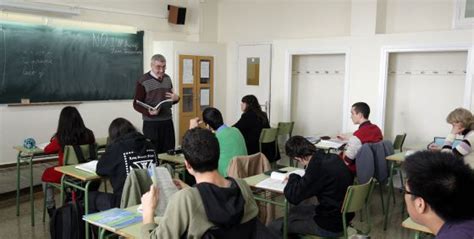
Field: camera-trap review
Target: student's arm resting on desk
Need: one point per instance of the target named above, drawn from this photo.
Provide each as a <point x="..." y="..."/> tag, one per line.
<point x="107" y="165"/>
<point x="176" y="219"/>
<point x="353" y="146"/>
<point x="53" y="146"/>
<point x="463" y="148"/>
<point x="300" y="188"/>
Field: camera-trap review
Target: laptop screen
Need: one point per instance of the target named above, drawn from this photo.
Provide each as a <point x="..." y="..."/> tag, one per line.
<point x="440" y="141"/>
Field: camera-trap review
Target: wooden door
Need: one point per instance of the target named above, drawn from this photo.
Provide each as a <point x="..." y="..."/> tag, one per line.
<point x="196" y="80"/>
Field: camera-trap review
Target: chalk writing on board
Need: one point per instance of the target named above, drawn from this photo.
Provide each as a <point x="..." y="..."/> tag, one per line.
<point x="36" y="62"/>
<point x="115" y="44"/>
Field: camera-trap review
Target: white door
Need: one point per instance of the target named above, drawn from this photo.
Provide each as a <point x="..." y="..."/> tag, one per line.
<point x="254" y="73"/>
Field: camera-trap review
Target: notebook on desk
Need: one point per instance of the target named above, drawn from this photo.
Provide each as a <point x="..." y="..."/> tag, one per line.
<point x="440" y="141"/>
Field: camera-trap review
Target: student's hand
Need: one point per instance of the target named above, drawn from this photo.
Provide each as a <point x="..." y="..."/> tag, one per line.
<point x="285" y="180"/>
<point x="152" y="112"/>
<point x="434" y="147"/>
<point x="180" y="184"/>
<point x="172" y="95"/>
<point x="193" y="123"/>
<point x="457" y="128"/>
<point x="149" y="203"/>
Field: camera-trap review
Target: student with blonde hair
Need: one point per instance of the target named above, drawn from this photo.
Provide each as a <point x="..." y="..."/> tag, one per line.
<point x="462" y="122"/>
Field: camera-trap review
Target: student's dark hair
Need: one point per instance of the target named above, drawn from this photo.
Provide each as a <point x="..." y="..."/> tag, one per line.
<point x="212" y="117"/>
<point x="362" y="107"/>
<point x="71" y="129"/>
<point x="298" y="146"/>
<point x="201" y="149"/>
<point x="444" y="182"/>
<point x="253" y="105"/>
<point x="118" y="128"/>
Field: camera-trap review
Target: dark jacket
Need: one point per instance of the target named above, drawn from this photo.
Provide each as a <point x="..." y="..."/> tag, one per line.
<point x="251" y="126"/>
<point x="327" y="178"/>
<point x="130" y="151"/>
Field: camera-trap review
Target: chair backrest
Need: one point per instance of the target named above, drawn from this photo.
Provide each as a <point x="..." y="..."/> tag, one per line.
<point x="268" y="135"/>
<point x="285" y="128"/>
<point x="89" y="152"/>
<point x="357" y="196"/>
<point x="246" y="166"/>
<point x="136" y="184"/>
<point x="398" y="142"/>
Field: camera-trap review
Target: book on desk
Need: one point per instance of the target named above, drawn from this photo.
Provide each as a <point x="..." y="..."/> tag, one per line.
<point x="113" y="219"/>
<point x="89" y="167"/>
<point x="276" y="181"/>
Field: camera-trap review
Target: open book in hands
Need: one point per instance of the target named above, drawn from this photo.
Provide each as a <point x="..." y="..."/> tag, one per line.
<point x="161" y="179"/>
<point x="149" y="107"/>
<point x="276" y="181"/>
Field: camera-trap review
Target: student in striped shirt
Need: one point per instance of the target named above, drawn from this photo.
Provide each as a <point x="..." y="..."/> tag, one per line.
<point x="462" y="121"/>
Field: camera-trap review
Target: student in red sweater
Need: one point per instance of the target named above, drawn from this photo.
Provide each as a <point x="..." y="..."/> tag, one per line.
<point x="367" y="133"/>
<point x="71" y="131"/>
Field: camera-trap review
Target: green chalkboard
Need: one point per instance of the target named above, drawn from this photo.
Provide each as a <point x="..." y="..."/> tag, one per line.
<point x="47" y="64"/>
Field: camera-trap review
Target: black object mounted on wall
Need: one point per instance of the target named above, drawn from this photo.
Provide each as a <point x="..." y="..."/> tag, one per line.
<point x="177" y="15"/>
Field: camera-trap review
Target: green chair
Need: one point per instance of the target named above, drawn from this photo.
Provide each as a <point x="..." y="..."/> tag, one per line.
<point x="70" y="158"/>
<point x="398" y="142"/>
<point x="286" y="129"/>
<point x="269" y="135"/>
<point x="357" y="198"/>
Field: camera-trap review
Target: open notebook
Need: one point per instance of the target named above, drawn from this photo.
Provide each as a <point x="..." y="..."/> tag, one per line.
<point x="276" y="180"/>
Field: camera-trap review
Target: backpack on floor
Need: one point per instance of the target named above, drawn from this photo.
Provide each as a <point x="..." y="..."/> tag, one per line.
<point x="67" y="222"/>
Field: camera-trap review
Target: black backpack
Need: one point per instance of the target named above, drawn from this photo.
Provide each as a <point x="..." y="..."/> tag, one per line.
<point x="67" y="222"/>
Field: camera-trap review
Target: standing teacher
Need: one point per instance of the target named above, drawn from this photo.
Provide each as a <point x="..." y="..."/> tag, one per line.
<point x="152" y="88"/>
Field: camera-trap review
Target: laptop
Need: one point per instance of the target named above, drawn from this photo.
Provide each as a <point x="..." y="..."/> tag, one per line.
<point x="440" y="141"/>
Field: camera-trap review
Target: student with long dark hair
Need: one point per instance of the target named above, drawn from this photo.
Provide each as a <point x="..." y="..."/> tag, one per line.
<point x="251" y="123"/>
<point x="126" y="150"/>
<point x="71" y="131"/>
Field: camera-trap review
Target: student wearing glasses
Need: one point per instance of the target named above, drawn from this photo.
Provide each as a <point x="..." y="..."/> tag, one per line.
<point x="439" y="195"/>
<point x="327" y="178"/>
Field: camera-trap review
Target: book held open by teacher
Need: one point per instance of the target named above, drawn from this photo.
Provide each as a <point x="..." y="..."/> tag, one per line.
<point x="149" y="107"/>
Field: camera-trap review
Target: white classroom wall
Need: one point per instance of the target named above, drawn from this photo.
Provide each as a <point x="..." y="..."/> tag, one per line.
<point x="420" y="80"/>
<point x="397" y="23"/>
<point x="317" y="93"/>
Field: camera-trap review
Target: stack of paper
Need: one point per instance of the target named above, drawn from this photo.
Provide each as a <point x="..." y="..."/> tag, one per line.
<point x="330" y="144"/>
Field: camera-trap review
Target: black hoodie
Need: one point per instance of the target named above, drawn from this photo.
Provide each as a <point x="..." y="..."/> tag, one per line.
<point x="131" y="151"/>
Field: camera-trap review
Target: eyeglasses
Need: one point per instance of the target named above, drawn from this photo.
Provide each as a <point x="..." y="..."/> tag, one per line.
<point x="408" y="192"/>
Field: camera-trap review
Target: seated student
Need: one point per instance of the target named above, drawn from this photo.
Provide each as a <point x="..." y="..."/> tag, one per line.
<point x="439" y="195"/>
<point x="71" y="131"/>
<point x="367" y="133"/>
<point x="251" y="123"/>
<point x="327" y="178"/>
<point x="231" y="141"/>
<point x="462" y="122"/>
<point x="213" y="201"/>
<point x="126" y="150"/>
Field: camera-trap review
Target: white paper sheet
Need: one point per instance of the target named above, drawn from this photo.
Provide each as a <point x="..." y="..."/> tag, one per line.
<point x="205" y="69"/>
<point x="204" y="97"/>
<point x="188" y="71"/>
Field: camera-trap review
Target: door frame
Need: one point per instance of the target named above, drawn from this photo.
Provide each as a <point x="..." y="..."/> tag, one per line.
<point x="384" y="62"/>
<point x="288" y="84"/>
